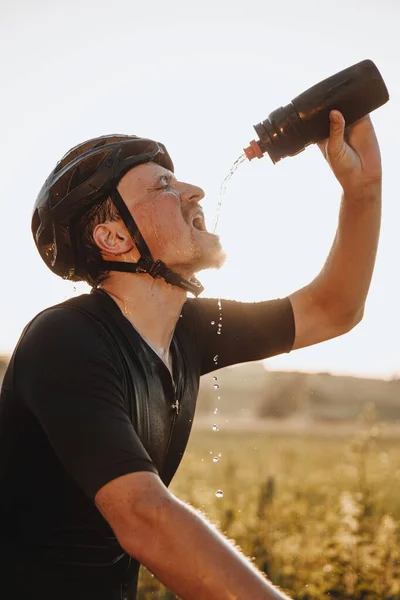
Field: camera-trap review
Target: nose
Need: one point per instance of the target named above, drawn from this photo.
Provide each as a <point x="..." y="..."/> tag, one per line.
<point x="191" y="193"/>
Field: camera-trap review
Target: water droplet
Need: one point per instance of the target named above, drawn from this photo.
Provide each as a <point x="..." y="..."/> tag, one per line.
<point x="215" y="459"/>
<point x="219" y="332"/>
<point x="219" y="454"/>
<point x="212" y="322"/>
<point x="210" y="451"/>
<point x="215" y="411"/>
<point x="216" y="386"/>
<point x="219" y="304"/>
<point x="215" y="427"/>
<point x="219" y="494"/>
<point x="215" y="359"/>
<point x="215" y="378"/>
<point x="218" y="397"/>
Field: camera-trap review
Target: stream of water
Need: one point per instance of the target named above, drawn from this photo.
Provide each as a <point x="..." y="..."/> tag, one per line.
<point x="224" y="185"/>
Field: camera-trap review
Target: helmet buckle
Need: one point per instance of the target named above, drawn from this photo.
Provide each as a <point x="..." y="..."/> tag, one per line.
<point x="156" y="268"/>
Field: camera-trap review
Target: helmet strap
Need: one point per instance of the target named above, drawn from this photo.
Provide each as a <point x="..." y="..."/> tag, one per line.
<point x="146" y="264"/>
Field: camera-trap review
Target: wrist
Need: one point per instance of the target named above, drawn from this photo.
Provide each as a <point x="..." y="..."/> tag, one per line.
<point x="363" y="191"/>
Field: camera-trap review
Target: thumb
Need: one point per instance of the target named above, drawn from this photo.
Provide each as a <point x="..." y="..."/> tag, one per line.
<point x="336" y="134"/>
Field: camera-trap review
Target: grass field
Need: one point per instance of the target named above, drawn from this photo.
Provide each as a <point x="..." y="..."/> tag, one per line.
<point x="319" y="514"/>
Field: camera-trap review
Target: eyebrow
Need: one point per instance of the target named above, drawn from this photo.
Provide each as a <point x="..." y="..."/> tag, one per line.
<point x="168" y="176"/>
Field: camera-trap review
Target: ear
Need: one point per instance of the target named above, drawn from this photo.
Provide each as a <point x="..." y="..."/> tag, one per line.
<point x="113" y="238"/>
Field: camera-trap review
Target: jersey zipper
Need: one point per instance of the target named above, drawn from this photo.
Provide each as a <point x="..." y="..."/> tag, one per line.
<point x="176" y="407"/>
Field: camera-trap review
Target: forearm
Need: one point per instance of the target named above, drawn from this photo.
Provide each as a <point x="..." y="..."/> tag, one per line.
<point x="343" y="283"/>
<point x="197" y="563"/>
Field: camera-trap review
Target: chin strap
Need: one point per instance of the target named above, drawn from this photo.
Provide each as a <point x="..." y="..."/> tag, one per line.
<point x="146" y="264"/>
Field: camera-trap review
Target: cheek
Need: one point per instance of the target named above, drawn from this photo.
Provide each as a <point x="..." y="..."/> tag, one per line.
<point x="162" y="225"/>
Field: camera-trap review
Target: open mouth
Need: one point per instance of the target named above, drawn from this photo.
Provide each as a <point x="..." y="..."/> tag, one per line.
<point x="197" y="221"/>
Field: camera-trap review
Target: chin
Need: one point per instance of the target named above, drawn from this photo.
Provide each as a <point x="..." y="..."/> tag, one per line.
<point x="209" y="261"/>
<point x="208" y="253"/>
<point x="202" y="257"/>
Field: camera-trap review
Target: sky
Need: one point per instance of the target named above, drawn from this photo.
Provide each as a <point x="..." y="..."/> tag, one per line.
<point x="197" y="77"/>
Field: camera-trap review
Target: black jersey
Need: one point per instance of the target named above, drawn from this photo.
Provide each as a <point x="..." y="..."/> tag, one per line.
<point x="85" y="400"/>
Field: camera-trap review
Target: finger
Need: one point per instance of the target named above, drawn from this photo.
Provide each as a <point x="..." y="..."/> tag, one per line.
<point x="336" y="134"/>
<point x="336" y="129"/>
<point x="363" y="122"/>
<point x="361" y="125"/>
<point x="361" y="134"/>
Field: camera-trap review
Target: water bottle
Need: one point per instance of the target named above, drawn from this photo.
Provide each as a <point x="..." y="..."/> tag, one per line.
<point x="355" y="92"/>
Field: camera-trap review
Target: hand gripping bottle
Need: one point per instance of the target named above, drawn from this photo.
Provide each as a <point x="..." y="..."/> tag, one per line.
<point x="355" y="92"/>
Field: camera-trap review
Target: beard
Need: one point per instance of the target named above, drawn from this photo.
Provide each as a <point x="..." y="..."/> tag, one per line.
<point x="208" y="255"/>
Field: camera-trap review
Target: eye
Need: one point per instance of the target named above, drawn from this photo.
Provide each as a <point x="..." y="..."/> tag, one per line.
<point x="165" y="183"/>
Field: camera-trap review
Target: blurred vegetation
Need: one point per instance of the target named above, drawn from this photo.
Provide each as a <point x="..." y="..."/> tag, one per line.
<point x="319" y="515"/>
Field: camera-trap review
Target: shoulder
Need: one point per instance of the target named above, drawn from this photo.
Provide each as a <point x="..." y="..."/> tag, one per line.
<point x="211" y="311"/>
<point x="199" y="308"/>
<point x="63" y="348"/>
<point x="63" y="330"/>
<point x="214" y="306"/>
<point x="201" y="313"/>
<point x="61" y="322"/>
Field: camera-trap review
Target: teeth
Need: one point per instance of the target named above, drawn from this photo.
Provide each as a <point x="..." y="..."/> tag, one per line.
<point x="199" y="218"/>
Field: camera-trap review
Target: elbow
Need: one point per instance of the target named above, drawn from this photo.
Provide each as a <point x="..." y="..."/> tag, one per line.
<point x="139" y="509"/>
<point x="349" y="321"/>
<point x="142" y="536"/>
<point x="358" y="317"/>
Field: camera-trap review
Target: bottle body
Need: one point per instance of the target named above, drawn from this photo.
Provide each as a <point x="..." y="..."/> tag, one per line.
<point x="355" y="92"/>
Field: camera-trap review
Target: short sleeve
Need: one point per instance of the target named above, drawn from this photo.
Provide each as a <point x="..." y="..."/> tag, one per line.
<point x="231" y="332"/>
<point x="68" y="375"/>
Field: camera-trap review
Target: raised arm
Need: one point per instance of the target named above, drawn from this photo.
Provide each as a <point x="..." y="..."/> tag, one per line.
<point x="177" y="544"/>
<point x="333" y="303"/>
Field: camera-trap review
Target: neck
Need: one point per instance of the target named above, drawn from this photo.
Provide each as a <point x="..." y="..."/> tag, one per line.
<point x="151" y="305"/>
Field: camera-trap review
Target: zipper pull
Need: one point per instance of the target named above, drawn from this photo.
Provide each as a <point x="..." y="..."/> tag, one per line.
<point x="176" y="406"/>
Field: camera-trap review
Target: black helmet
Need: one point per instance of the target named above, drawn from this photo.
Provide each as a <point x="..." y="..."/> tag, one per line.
<point x="87" y="175"/>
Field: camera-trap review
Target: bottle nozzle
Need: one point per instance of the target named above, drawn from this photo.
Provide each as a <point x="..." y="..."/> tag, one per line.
<point x="253" y="151"/>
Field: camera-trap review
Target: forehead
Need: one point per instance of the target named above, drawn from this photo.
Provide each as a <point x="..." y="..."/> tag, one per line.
<point x="141" y="182"/>
<point x="145" y="175"/>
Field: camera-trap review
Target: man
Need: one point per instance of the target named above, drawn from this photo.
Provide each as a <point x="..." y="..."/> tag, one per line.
<point x="99" y="397"/>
